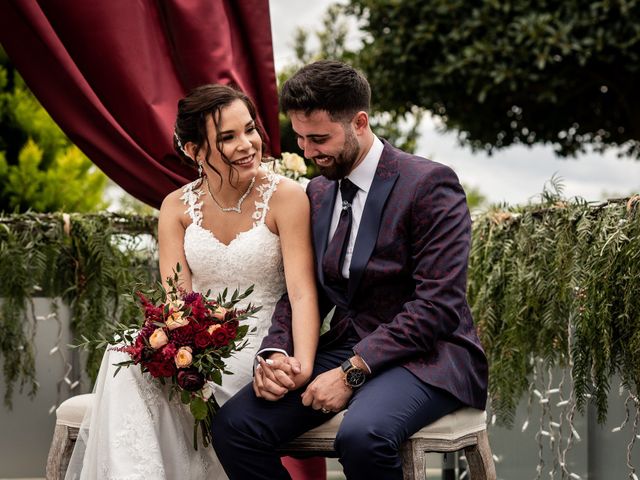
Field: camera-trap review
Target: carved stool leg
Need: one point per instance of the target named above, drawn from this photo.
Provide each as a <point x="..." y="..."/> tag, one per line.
<point x="480" y="459"/>
<point x="413" y="460"/>
<point x="60" y="451"/>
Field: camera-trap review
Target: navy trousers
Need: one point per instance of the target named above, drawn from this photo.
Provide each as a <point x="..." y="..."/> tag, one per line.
<point x="383" y="413"/>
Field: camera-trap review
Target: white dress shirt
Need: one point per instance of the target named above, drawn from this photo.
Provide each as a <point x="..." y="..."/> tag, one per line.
<point x="362" y="177"/>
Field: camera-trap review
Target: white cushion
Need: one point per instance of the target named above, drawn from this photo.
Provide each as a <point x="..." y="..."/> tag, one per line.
<point x="455" y="425"/>
<point x="71" y="411"/>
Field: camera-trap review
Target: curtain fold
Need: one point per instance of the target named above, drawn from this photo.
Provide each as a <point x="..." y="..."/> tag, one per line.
<point x="110" y="74"/>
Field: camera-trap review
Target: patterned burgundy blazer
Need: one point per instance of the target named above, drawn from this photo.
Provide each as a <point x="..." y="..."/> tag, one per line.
<point x="406" y="295"/>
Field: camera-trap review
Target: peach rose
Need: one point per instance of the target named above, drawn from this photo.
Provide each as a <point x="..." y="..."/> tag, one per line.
<point x="220" y="313"/>
<point x="176" y="320"/>
<point x="158" y="339"/>
<point x="184" y="357"/>
<point x="213" y="328"/>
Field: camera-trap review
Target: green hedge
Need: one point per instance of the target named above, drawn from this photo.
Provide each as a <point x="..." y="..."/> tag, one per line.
<point x="558" y="280"/>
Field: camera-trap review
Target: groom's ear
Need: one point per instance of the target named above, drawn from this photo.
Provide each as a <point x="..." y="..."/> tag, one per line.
<point x="360" y="122"/>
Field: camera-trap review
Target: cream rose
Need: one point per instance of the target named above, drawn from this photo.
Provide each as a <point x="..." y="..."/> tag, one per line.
<point x="176" y="304"/>
<point x="183" y="357"/>
<point x="294" y="163"/>
<point x="158" y="339"/>
<point x="176" y="320"/>
<point x="220" y="313"/>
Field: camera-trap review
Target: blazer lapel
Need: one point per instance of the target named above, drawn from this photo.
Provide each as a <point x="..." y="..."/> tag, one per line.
<point x="321" y="227"/>
<point x="383" y="181"/>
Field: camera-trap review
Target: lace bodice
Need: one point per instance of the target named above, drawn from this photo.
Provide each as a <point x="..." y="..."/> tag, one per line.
<point x="253" y="257"/>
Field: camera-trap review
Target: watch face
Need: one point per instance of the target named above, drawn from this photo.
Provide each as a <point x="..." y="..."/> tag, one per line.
<point x="355" y="377"/>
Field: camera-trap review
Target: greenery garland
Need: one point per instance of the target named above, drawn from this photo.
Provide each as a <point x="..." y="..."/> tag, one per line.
<point x="538" y="274"/>
<point x="91" y="261"/>
<point x="559" y="273"/>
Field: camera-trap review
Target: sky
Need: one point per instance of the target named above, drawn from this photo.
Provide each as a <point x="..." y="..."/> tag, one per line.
<point x="514" y="175"/>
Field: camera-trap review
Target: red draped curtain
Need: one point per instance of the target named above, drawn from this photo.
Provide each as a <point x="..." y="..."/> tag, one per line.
<point x="110" y="73"/>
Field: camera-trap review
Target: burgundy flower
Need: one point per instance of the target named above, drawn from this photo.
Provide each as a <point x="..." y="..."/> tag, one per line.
<point x="198" y="308"/>
<point x="162" y="368"/>
<point x="202" y="339"/>
<point x="183" y="336"/>
<point x="197" y="326"/>
<point x="232" y="328"/>
<point x="191" y="297"/>
<point x="169" y="351"/>
<point x="190" y="379"/>
<point x="220" y="337"/>
<point x="134" y="351"/>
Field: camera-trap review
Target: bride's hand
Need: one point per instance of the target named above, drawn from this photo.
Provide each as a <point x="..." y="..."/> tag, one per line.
<point x="275" y="377"/>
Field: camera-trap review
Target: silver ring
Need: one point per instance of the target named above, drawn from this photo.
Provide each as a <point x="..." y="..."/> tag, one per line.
<point x="324" y="410"/>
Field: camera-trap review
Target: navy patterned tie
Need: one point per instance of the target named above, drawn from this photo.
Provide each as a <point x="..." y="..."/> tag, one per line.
<point x="334" y="255"/>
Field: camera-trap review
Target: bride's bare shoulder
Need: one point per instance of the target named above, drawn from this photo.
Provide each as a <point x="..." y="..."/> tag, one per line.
<point x="289" y="202"/>
<point x="174" y="203"/>
<point x="289" y="191"/>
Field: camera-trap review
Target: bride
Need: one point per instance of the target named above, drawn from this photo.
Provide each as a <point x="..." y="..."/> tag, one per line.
<point x="237" y="225"/>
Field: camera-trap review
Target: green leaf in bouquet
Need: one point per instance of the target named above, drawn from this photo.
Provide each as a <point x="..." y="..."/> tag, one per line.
<point x="242" y="330"/>
<point x="248" y="292"/>
<point x="195" y="435"/>
<point x="216" y="377"/>
<point x="198" y="408"/>
<point x="124" y="363"/>
<point x="206" y="435"/>
<point x="185" y="397"/>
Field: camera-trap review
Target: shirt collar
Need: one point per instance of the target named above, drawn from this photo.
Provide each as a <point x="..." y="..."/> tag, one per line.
<point x="363" y="174"/>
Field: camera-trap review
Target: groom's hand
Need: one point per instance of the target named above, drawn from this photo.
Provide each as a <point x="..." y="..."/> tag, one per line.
<point x="275" y="377"/>
<point x="328" y="391"/>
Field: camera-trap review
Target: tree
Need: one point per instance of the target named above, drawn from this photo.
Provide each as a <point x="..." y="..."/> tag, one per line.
<point x="40" y="169"/>
<point x="503" y="72"/>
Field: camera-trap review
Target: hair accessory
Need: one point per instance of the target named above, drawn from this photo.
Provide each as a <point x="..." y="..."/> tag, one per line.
<point x="181" y="147"/>
<point x="238" y="207"/>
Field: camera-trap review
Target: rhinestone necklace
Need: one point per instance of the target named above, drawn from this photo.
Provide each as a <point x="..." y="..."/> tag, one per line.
<point x="238" y="207"/>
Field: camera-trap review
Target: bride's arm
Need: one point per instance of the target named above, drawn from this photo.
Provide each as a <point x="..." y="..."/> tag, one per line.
<point x="291" y="212"/>
<point x="171" y="240"/>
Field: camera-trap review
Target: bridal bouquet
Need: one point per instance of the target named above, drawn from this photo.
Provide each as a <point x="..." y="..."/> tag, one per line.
<point x="183" y="339"/>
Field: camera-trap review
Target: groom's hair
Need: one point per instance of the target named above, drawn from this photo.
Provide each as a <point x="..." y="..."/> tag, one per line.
<point x="335" y="87"/>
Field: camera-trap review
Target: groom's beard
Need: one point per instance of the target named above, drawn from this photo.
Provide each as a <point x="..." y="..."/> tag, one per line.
<point x="343" y="162"/>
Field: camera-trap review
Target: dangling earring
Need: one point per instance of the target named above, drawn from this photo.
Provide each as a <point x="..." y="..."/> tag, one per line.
<point x="200" y="170"/>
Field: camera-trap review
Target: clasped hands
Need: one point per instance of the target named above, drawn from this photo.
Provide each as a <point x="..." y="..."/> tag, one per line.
<point x="282" y="374"/>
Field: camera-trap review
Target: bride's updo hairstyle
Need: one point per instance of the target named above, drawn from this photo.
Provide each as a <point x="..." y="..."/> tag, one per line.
<point x="191" y="121"/>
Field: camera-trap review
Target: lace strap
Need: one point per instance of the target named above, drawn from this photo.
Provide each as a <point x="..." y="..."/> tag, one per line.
<point x="191" y="198"/>
<point x="265" y="191"/>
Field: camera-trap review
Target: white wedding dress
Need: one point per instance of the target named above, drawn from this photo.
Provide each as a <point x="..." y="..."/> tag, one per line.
<point x="133" y="431"/>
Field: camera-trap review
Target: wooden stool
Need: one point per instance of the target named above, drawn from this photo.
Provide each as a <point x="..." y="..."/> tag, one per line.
<point x="464" y="429"/>
<point x="69" y="416"/>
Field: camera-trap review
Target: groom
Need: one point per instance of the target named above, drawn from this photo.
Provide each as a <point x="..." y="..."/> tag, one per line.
<point x="391" y="236"/>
